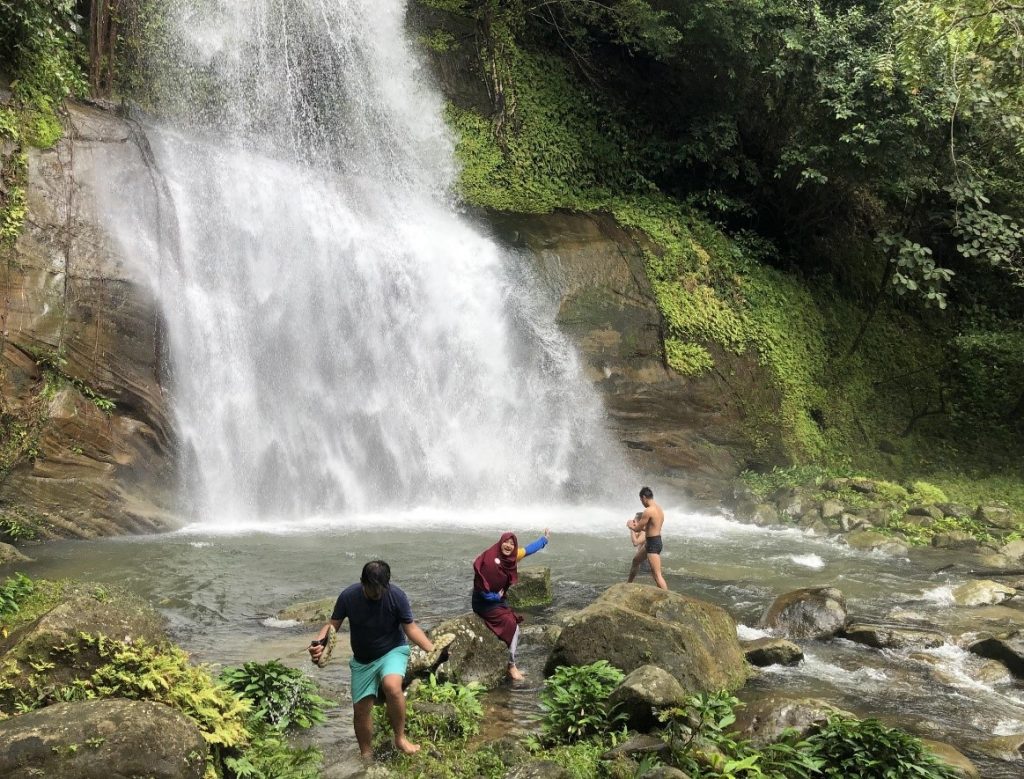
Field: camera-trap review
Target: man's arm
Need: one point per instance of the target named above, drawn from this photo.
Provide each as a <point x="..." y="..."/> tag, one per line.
<point x="415" y="634"/>
<point x="640" y="523"/>
<point x="317" y="648"/>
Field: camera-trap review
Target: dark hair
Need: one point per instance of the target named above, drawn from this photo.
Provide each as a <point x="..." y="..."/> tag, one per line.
<point x="645" y="492"/>
<point x="376" y="574"/>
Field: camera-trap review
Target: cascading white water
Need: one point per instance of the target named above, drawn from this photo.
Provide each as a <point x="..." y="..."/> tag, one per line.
<point x="339" y="336"/>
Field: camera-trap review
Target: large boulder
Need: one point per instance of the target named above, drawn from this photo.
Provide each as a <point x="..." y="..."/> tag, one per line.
<point x="997" y="516"/>
<point x="76" y="609"/>
<point x="808" y="613"/>
<point x="765" y="720"/>
<point x="75" y="303"/>
<point x="643" y="692"/>
<point x="474" y="655"/>
<point x="982" y="592"/>
<point x="873" y="541"/>
<point x="632" y="625"/>
<point x="953" y="758"/>
<point x="772" y="651"/>
<point x="102" y="739"/>
<point x="532" y="589"/>
<point x="882" y="636"/>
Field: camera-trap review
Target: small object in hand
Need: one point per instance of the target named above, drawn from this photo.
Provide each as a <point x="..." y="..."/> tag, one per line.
<point x="327" y="642"/>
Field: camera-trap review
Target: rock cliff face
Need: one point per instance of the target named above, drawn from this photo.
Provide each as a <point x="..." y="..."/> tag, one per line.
<point x="684" y="430"/>
<point x="78" y="325"/>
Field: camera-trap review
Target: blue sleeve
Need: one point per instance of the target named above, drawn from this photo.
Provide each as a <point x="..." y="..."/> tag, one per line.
<point x="492" y="596"/>
<point x="537" y="545"/>
<point x="340" y="612"/>
<point x="402" y="608"/>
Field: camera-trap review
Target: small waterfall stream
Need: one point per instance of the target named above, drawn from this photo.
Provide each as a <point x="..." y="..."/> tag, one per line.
<point x="340" y="337"/>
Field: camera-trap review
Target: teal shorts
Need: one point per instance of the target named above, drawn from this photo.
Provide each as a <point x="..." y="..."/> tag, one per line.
<point x="366" y="677"/>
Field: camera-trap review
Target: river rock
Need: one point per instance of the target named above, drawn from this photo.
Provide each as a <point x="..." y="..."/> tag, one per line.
<point x="832" y="509"/>
<point x="81" y="608"/>
<point x="772" y="651"/>
<point x="835" y="485"/>
<point x="1008" y="748"/>
<point x="314" y="611"/>
<point x="763" y="515"/>
<point x="637" y="746"/>
<point x="962" y="766"/>
<point x="475" y="654"/>
<point x="1013" y="550"/>
<point x="664" y="772"/>
<point x="864" y="486"/>
<point x="848" y="522"/>
<point x="955" y="539"/>
<point x="996" y="516"/>
<point x="873" y="541"/>
<point x="982" y="592"/>
<point x="632" y="625"/>
<point x="645" y="690"/>
<point x="101" y="739"/>
<point x="9" y="555"/>
<point x="926" y="510"/>
<point x="808" y="613"/>
<point x="539" y="769"/>
<point x="1007" y="649"/>
<point x="892" y="636"/>
<point x="954" y="510"/>
<point x="532" y="589"/>
<point x="763" y="721"/>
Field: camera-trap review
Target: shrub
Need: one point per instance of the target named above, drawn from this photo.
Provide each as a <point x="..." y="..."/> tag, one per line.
<point x="281" y="697"/>
<point x="928" y="493"/>
<point x="575" y="702"/>
<point x="437" y="712"/>
<point x="867" y="749"/>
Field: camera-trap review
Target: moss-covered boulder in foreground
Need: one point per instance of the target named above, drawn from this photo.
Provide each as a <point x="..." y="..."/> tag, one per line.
<point x="100" y="739"/>
<point x="632" y="625"/>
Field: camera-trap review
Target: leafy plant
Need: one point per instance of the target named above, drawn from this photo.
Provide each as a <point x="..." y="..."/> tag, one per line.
<point x="281" y="697"/>
<point x="13" y="592"/>
<point x="575" y="702"/>
<point x="867" y="749"/>
<point x="438" y="712"/>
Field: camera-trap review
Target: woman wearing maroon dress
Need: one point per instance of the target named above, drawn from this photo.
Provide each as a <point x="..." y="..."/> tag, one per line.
<point x="494" y="571"/>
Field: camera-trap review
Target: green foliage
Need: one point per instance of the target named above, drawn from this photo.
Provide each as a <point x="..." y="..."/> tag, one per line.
<point x="438" y="712"/>
<point x="699" y="738"/>
<point x="866" y="749"/>
<point x="13" y="592"/>
<point x="16" y="525"/>
<point x="440" y="41"/>
<point x="270" y="756"/>
<point x="575" y="702"/>
<point x="54" y="365"/>
<point x="687" y="359"/>
<point x="281" y="697"/>
<point x="928" y="493"/>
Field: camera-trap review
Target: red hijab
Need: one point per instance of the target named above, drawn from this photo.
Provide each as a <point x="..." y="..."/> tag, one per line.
<point x="494" y="571"/>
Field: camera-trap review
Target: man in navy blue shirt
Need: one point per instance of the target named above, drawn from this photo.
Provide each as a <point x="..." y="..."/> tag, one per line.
<point x="380" y="619"/>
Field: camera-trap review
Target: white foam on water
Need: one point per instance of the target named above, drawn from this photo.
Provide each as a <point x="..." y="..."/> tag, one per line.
<point x="747" y="633"/>
<point x="273" y="622"/>
<point x="942" y="595"/>
<point x="1008" y="727"/>
<point x="808" y="561"/>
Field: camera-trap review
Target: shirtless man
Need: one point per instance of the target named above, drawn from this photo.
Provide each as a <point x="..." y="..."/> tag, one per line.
<point x="649" y="523"/>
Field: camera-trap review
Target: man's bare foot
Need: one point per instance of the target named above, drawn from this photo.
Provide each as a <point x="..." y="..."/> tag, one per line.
<point x="405" y="745"/>
<point x="515" y="674"/>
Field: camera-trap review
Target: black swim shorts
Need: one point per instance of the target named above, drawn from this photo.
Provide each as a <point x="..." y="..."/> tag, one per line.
<point x="654" y="545"/>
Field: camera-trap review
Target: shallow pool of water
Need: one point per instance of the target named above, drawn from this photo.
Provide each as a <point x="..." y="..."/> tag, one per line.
<point x="220" y="589"/>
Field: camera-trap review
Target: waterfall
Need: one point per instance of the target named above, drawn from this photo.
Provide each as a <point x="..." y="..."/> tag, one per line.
<point x="339" y="335"/>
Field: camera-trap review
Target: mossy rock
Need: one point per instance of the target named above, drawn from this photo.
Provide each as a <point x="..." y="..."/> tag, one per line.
<point x="313" y="611"/>
<point x="532" y="589"/>
<point x="10" y="555"/>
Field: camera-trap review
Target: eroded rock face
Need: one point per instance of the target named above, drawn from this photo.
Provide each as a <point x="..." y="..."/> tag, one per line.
<point x="764" y="721"/>
<point x="808" y="613"/>
<point x="100" y="739"/>
<point x="67" y="292"/>
<point x="690" y="430"/>
<point x="772" y="651"/>
<point x="893" y="636"/>
<point x="632" y="625"/>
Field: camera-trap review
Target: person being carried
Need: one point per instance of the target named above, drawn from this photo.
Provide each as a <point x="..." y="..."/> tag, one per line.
<point x="649" y="523"/>
<point x="637" y="538"/>
<point x="380" y="619"/>
<point x="494" y="571"/>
